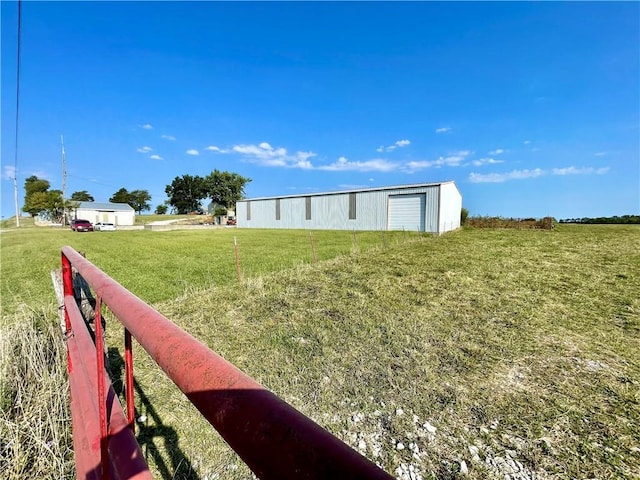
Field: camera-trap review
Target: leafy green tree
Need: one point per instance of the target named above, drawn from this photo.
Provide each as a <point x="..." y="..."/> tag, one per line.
<point x="35" y="199"/>
<point x="139" y="200"/>
<point x="82" y="196"/>
<point x="186" y="192"/>
<point x="55" y="205"/>
<point x="464" y="213"/>
<point x="161" y="210"/>
<point x="225" y="188"/>
<point x="36" y="203"/>
<point x="121" y="196"/>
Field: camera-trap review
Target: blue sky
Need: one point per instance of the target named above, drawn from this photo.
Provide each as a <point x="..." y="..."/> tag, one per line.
<point x="532" y="108"/>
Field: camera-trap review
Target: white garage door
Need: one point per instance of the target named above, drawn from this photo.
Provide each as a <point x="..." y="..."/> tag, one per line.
<point x="406" y="212"/>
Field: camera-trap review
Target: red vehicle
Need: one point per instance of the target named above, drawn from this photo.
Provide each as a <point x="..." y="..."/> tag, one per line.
<point x="79" y="225"/>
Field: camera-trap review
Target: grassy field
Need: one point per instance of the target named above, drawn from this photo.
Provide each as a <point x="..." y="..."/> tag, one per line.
<point x="490" y="352"/>
<point x="158" y="266"/>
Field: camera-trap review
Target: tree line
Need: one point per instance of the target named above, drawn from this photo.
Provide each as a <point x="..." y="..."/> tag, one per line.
<point x="224" y="189"/>
<point x="620" y="220"/>
<point x="185" y="194"/>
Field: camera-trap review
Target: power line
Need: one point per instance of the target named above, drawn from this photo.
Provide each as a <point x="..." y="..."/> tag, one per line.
<point x="15" y="162"/>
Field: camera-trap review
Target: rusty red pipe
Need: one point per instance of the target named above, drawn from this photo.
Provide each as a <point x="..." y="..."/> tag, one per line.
<point x="274" y="439"/>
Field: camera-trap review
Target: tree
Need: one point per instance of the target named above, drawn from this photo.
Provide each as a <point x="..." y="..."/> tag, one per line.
<point x="34" y="200"/>
<point x="186" y="192"/>
<point x="82" y="196"/>
<point x="55" y="206"/>
<point x="225" y="188"/>
<point x="121" y="196"/>
<point x="35" y="203"/>
<point x="464" y="213"/>
<point x="161" y="210"/>
<point x="139" y="200"/>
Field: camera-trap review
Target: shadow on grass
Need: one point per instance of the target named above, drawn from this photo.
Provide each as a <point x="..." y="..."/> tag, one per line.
<point x="157" y="440"/>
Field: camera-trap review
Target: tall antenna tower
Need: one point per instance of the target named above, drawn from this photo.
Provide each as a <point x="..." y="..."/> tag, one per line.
<point x="64" y="180"/>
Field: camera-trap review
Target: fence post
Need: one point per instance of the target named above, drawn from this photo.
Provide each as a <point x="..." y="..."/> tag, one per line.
<point x="313" y="248"/>
<point x="235" y="248"/>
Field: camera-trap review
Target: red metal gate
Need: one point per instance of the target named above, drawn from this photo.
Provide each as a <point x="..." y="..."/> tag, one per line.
<point x="274" y="439"/>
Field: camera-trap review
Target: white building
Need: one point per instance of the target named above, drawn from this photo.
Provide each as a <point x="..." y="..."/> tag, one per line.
<point x="116" y="213"/>
<point x="427" y="207"/>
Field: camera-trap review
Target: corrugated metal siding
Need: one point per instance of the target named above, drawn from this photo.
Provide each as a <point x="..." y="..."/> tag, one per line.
<point x="406" y="212"/>
<point x="331" y="211"/>
<point x="451" y="202"/>
<point x="431" y="208"/>
<point x="115" y="217"/>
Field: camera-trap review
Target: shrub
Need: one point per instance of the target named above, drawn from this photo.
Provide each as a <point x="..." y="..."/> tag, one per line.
<point x="464" y="213"/>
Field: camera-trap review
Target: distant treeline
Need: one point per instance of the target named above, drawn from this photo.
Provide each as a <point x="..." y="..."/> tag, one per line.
<point x="624" y="219"/>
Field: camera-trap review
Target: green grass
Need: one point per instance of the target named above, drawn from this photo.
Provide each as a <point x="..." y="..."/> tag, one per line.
<point x="159" y="266"/>
<point x="520" y="345"/>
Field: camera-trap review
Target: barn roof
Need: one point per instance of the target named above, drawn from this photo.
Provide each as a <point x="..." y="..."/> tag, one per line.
<point x="371" y="189"/>
<point x="106" y="206"/>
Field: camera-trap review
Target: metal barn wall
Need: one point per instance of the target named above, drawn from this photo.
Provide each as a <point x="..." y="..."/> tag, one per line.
<point x="432" y="207"/>
<point x="330" y="211"/>
<point x="115" y="217"/>
<point x="451" y="205"/>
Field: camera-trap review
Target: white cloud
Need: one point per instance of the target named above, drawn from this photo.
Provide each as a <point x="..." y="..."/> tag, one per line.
<point x="146" y="126"/>
<point x="192" y="151"/>
<point x="485" y="161"/>
<point x="391" y="148"/>
<point x="213" y="148"/>
<point x="534" y="173"/>
<point x="168" y="137"/>
<point x="266" y="155"/>
<point x="497" y="151"/>
<point x="579" y="171"/>
<point x="443" y="129"/>
<point x="374" y="165"/>
<point x="600" y="154"/>
<point x="454" y="159"/>
<point x="503" y="177"/>
<point x="527" y="142"/>
<point x="9" y="172"/>
<point x="156" y="157"/>
<point x="144" y="149"/>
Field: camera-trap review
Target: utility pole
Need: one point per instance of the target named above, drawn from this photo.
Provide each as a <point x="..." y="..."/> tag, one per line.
<point x="15" y="165"/>
<point x="15" y="197"/>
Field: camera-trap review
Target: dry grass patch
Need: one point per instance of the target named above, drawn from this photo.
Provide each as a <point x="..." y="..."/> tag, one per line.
<point x="35" y="422"/>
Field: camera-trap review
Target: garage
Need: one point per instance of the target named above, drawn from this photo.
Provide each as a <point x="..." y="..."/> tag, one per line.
<point x="406" y="212"/>
<point x="425" y="207"/>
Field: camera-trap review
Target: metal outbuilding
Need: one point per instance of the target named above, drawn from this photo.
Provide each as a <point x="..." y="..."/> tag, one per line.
<point x="116" y="213"/>
<point x="426" y="207"/>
